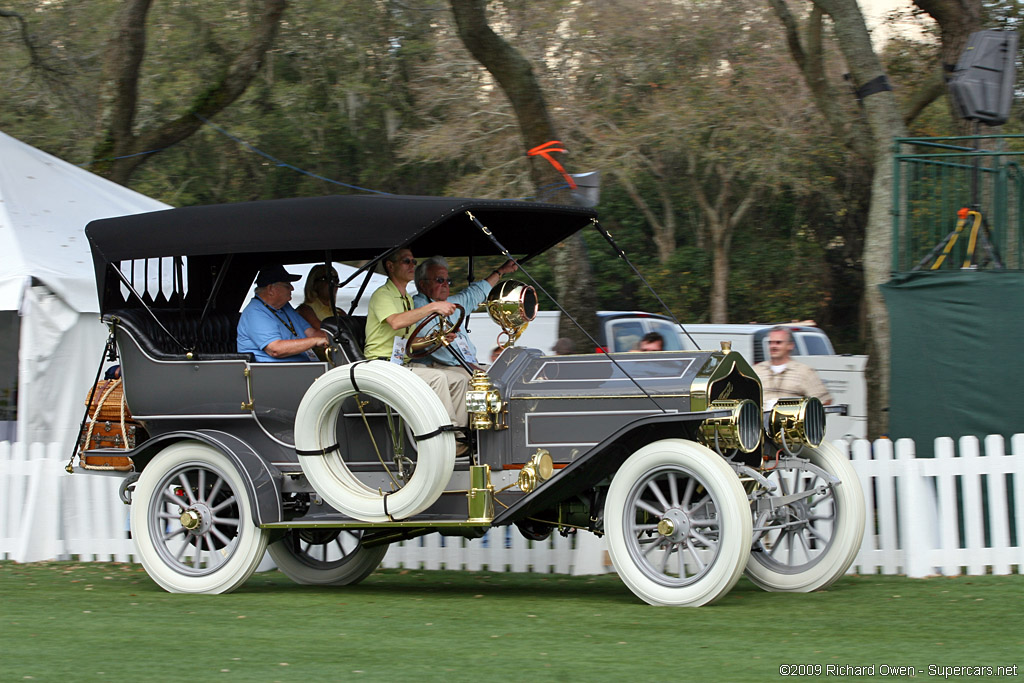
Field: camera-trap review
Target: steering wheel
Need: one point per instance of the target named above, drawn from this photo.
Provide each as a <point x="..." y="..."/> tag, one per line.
<point x="418" y="347"/>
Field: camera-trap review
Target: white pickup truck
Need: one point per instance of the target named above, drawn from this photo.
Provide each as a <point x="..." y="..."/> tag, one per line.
<point x="621" y="330"/>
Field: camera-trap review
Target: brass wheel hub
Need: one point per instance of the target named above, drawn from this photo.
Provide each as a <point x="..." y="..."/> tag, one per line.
<point x="674" y="525"/>
<point x="196" y="519"/>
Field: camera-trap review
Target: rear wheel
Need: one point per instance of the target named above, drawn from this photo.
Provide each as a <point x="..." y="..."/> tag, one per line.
<point x="328" y="557"/>
<point x="678" y="524"/>
<point x="192" y="521"/>
<point x="811" y="538"/>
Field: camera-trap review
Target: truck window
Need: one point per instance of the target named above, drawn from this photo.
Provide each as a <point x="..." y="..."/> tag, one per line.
<point x="816" y="345"/>
<point x="623" y="335"/>
<point x="672" y="335"/>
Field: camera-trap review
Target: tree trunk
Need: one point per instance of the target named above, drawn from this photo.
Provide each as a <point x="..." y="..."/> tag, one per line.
<point x="514" y="74"/>
<point x="663" y="229"/>
<point x="720" y="276"/>
<point x="883" y="116"/>
<point x="721" y="217"/>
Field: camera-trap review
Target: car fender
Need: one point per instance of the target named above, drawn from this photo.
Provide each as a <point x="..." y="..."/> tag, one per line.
<point x="604" y="459"/>
<point x="262" y="481"/>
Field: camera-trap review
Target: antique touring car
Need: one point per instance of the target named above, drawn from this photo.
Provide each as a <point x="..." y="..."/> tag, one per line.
<point x="667" y="454"/>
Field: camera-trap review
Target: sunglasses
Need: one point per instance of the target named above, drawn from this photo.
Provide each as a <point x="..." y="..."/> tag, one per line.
<point x="443" y="281"/>
<point x="408" y="260"/>
<point x="332" y="280"/>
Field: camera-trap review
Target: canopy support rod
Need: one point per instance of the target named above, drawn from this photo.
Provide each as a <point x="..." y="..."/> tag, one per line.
<point x="215" y="290"/>
<point x="622" y="255"/>
<point x="490" y="235"/>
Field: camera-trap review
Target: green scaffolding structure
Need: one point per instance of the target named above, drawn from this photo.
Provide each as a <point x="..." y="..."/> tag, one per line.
<point x="934" y="178"/>
<point x="955" y="314"/>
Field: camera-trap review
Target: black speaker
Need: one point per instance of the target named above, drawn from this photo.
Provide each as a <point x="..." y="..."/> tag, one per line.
<point x="982" y="82"/>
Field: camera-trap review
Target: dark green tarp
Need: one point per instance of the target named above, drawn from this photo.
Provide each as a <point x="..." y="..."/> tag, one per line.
<point x="957" y="365"/>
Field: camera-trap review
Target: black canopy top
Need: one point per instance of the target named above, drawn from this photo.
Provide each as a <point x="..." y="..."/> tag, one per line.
<point x="350" y="227"/>
<point x="354" y="227"/>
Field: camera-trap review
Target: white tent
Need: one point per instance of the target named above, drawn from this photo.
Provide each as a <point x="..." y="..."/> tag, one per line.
<point x="48" y="303"/>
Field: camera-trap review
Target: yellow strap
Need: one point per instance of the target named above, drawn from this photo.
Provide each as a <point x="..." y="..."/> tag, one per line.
<point x="973" y="242"/>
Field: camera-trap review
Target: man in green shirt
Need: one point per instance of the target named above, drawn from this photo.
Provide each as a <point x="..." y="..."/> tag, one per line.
<point x="391" y="318"/>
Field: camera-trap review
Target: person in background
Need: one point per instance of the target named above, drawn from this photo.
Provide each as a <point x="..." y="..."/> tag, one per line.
<point x="652" y="341"/>
<point x="320" y="291"/>
<point x="781" y="376"/>
<point x="269" y="328"/>
<point x="495" y="352"/>
<point x="564" y="347"/>
<point x="434" y="284"/>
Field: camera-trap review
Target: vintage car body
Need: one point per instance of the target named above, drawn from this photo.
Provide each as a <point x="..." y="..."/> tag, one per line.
<point x="329" y="462"/>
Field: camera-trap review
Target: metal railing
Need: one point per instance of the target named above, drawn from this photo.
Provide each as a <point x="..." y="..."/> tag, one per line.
<point x="934" y="178"/>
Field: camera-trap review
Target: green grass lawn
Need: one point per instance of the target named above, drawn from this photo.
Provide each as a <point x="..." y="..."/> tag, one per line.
<point x="66" y="621"/>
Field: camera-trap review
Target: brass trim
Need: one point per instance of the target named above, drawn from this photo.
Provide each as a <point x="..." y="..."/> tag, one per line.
<point x="537" y="471"/>
<point x="484" y="402"/>
<point x="741" y="429"/>
<point x="190" y="519"/>
<point x="512" y="305"/>
<point x="725" y="364"/>
<point x="797" y="422"/>
<point x="480" y="495"/>
<point x="591" y="397"/>
<point x="408" y="524"/>
<point x="248" y="405"/>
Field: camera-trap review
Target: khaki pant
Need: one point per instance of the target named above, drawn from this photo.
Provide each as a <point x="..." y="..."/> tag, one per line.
<point x="450" y="383"/>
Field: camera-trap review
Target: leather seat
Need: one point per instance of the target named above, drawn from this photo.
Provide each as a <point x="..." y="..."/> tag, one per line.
<point x="214" y="338"/>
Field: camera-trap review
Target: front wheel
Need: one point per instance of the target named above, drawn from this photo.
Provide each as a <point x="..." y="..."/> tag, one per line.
<point x="329" y="557"/>
<point x="192" y="521"/>
<point x="678" y="524"/>
<point x="809" y="530"/>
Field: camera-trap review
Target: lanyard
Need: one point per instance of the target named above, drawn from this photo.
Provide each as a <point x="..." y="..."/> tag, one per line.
<point x="287" y="323"/>
<point x="406" y="306"/>
<point x="406" y="303"/>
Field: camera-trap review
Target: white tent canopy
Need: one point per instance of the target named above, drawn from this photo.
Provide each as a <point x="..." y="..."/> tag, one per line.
<point x="46" y="276"/>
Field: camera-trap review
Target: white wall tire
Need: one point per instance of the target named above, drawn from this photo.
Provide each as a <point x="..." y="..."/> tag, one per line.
<point x="413" y="399"/>
<point x="329" y="557"/>
<point x="224" y="547"/>
<point x="678" y="524"/>
<point x="808" y="545"/>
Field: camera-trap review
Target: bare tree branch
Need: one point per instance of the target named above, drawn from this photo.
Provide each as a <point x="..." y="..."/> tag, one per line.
<point x="37" y="60"/>
<point x="124" y="58"/>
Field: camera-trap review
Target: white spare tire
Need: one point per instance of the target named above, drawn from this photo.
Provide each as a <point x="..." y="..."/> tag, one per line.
<point x="320" y="457"/>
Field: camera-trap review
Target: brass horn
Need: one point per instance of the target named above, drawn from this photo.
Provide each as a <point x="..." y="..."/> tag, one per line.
<point x="512" y="304"/>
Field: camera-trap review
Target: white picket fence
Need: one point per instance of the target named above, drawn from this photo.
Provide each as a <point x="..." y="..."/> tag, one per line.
<point x="917" y="508"/>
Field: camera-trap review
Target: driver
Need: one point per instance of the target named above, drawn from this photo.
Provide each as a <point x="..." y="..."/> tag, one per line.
<point x="390" y="319"/>
<point x="433" y="284"/>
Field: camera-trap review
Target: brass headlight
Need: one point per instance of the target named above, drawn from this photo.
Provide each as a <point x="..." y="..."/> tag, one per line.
<point x="797" y="421"/>
<point x="512" y="304"/>
<point x="537" y="471"/>
<point x="741" y="429"/>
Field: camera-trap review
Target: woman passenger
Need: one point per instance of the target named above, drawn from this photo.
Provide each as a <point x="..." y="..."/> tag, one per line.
<point x="321" y="289"/>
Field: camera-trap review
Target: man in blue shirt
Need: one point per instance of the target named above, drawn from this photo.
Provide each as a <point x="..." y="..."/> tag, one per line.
<point x="270" y="328"/>
<point x="433" y="284"/>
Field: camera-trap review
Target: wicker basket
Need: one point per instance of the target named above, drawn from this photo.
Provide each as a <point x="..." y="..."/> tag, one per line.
<point x="109" y="425"/>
